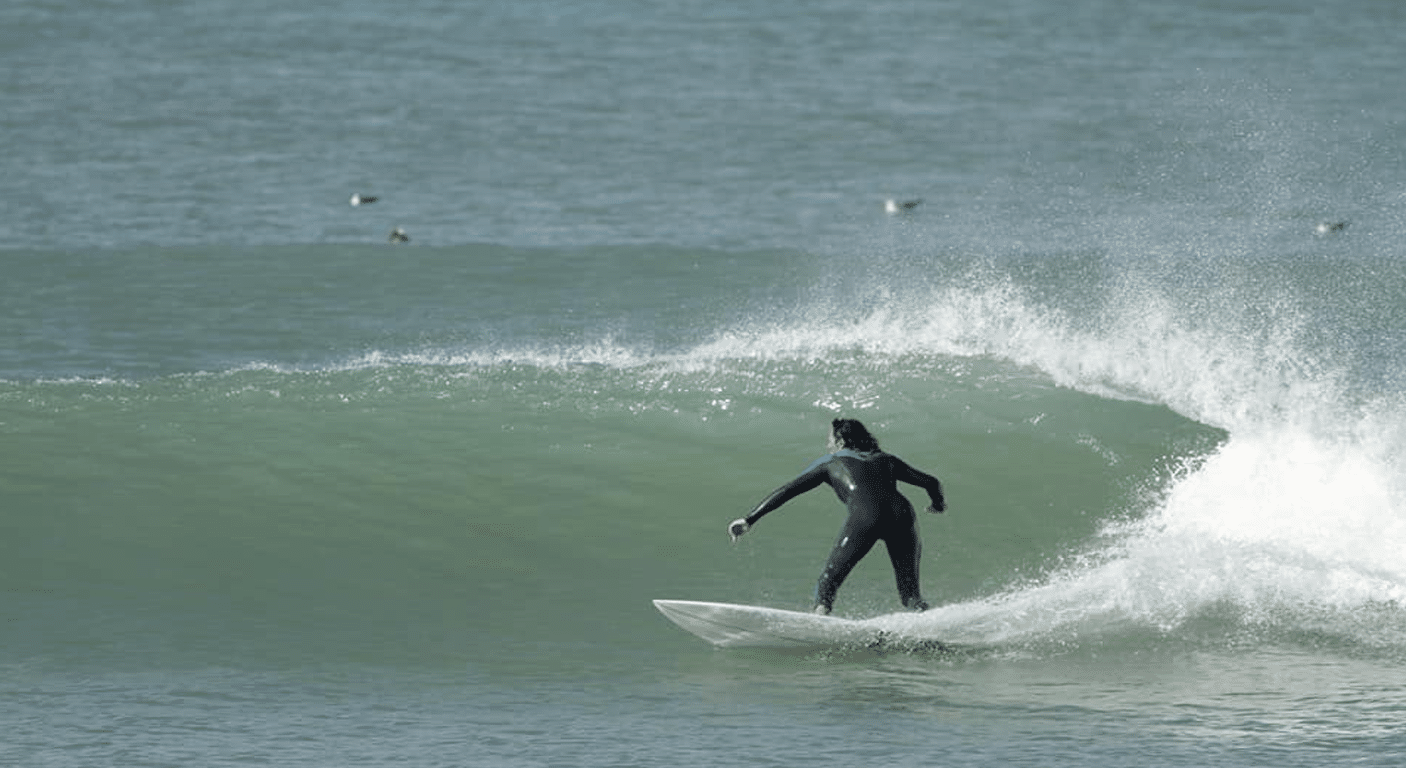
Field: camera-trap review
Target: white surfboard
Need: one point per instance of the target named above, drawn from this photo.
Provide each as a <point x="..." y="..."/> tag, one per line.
<point x="751" y="626"/>
<point x="730" y="625"/>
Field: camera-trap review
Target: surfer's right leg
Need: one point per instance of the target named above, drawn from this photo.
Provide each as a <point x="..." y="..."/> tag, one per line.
<point x="849" y="549"/>
<point x="905" y="551"/>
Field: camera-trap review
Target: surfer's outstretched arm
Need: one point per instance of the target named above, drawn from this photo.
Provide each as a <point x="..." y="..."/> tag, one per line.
<point x="923" y="480"/>
<point x="808" y="480"/>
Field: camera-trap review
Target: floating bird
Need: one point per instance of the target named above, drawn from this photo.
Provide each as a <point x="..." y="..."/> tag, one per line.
<point x="1330" y="227"/>
<point x="357" y="199"/>
<point x="894" y="206"/>
<point x="398" y="236"/>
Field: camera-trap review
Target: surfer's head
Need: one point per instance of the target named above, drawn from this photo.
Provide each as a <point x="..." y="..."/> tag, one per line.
<point x="849" y="433"/>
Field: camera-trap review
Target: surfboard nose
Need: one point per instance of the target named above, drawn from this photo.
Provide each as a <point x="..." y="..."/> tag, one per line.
<point x="754" y="626"/>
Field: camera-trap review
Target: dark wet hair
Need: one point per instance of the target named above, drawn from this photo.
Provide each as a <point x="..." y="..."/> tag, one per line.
<point x="851" y="434"/>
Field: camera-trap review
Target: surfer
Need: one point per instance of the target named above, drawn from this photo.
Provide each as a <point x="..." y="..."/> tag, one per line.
<point x="866" y="480"/>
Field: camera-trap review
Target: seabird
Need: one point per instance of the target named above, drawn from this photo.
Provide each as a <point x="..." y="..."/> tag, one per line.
<point x="398" y="236"/>
<point x="357" y="199"/>
<point x="1330" y="227"/>
<point x="894" y="206"/>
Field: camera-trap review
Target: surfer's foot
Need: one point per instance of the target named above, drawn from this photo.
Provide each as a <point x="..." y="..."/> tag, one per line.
<point x="919" y="605"/>
<point x="821" y="610"/>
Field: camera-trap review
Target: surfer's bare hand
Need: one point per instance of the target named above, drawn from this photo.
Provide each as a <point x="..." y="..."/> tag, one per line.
<point x="937" y="507"/>
<point x="738" y="527"/>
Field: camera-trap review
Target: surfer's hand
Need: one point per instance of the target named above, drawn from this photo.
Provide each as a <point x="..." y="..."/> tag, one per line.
<point x="937" y="507"/>
<point x="738" y="527"/>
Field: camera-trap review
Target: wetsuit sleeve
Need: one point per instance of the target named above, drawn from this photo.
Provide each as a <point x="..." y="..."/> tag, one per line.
<point x="901" y="471"/>
<point x="808" y="480"/>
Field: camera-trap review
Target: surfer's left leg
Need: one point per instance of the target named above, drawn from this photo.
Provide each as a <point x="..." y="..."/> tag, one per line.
<point x="850" y="548"/>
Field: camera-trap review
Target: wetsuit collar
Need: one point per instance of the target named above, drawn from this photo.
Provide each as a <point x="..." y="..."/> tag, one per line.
<point x="846" y="453"/>
<point x="853" y="454"/>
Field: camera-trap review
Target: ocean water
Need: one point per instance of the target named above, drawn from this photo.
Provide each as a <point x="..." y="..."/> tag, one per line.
<point x="275" y="491"/>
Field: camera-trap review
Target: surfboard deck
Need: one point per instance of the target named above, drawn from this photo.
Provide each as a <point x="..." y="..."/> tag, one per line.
<point x="730" y="625"/>
<point x="751" y="626"/>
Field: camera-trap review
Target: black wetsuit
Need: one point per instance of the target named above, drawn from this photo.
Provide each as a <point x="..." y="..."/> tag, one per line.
<point x="867" y="483"/>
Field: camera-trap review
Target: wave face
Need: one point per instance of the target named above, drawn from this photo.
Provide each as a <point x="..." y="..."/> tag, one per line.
<point x="1136" y="450"/>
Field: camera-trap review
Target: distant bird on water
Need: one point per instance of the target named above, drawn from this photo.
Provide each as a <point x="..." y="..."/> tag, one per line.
<point x="398" y="236"/>
<point x="358" y="199"/>
<point x="1330" y="227"/>
<point x="894" y="206"/>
